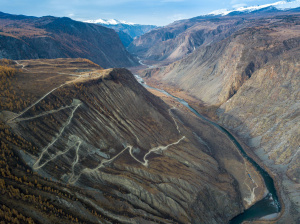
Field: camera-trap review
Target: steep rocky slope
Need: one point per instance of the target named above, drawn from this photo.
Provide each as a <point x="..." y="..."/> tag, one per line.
<point x="174" y="41"/>
<point x="252" y="77"/>
<point x="114" y="152"/>
<point x="25" y="37"/>
<point x="125" y="38"/>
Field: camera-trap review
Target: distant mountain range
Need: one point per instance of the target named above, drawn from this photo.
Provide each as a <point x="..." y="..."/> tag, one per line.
<point x="109" y="22"/>
<point x="174" y="41"/>
<point x="127" y="31"/>
<point x="280" y="5"/>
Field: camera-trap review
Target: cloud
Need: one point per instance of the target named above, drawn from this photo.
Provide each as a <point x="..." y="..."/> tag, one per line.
<point x="236" y="6"/>
<point x="176" y="17"/>
<point x="233" y="2"/>
<point x="248" y="2"/>
<point x="239" y="1"/>
<point x="172" y="0"/>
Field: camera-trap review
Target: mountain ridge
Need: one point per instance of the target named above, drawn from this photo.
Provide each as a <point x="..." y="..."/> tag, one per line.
<point x="109" y="22"/>
<point x="280" y="5"/>
<point x="53" y="37"/>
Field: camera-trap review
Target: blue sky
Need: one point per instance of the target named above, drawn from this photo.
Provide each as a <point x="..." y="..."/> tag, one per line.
<point x="157" y="12"/>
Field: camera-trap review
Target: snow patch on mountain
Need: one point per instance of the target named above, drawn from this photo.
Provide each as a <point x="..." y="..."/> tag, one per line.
<point x="279" y="5"/>
<point x="109" y="22"/>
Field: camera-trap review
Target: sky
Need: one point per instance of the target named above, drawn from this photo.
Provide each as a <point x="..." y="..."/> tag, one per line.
<point x="153" y="12"/>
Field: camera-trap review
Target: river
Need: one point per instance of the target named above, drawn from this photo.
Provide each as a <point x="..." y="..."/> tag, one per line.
<point x="270" y="204"/>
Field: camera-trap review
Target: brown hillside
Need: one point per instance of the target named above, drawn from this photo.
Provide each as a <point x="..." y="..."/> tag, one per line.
<point x="93" y="144"/>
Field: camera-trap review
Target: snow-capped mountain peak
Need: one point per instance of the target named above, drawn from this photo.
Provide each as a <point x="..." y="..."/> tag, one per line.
<point x="109" y="22"/>
<point x="279" y="5"/>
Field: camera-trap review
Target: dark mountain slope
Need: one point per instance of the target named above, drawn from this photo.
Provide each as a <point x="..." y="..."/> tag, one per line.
<point x="49" y="37"/>
<point x="125" y="38"/>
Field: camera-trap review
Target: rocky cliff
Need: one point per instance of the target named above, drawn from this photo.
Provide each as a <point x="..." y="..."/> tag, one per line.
<point x="176" y="40"/>
<point x="252" y="77"/>
<point x="105" y="149"/>
<point x="25" y="37"/>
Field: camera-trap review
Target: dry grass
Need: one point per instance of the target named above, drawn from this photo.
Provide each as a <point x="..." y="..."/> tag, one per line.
<point x="6" y="62"/>
<point x="20" y="29"/>
<point x="87" y="61"/>
<point x="21" y="87"/>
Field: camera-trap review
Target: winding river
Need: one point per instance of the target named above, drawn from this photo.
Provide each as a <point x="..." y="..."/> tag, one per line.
<point x="270" y="204"/>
